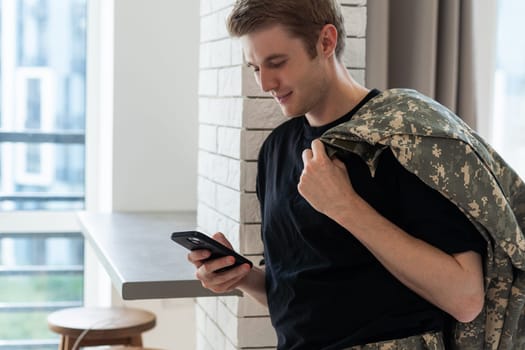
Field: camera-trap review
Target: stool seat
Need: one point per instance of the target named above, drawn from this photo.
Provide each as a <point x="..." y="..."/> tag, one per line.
<point x="100" y="326"/>
<point x="129" y="348"/>
<point x="123" y="348"/>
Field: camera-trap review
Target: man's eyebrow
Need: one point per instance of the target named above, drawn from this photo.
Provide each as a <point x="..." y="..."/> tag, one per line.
<point x="269" y="58"/>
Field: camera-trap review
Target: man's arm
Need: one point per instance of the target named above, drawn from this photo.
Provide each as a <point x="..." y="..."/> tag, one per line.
<point x="453" y="283"/>
<point x="255" y="285"/>
<point x="250" y="281"/>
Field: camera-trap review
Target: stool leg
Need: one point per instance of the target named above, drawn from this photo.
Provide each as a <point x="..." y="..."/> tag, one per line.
<point x="136" y="340"/>
<point x="66" y="343"/>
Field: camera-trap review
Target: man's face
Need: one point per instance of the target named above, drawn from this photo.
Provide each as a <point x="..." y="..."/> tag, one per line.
<point x="283" y="68"/>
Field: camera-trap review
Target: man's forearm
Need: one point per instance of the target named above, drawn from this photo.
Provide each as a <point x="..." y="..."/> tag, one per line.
<point x="453" y="283"/>
<point x="254" y="285"/>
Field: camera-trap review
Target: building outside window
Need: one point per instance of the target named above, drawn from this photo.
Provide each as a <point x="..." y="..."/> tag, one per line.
<point x="42" y="165"/>
<point x="509" y="101"/>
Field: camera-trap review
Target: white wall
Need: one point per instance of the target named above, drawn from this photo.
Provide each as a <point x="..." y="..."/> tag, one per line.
<point x="142" y="131"/>
<point x="155" y="104"/>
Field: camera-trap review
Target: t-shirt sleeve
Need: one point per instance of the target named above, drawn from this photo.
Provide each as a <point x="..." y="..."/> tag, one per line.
<point x="428" y="215"/>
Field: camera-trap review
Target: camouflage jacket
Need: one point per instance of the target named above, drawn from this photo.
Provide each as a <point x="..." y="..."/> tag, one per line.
<point x="438" y="147"/>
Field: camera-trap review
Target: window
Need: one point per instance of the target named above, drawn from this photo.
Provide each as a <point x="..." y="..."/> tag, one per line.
<point x="509" y="102"/>
<point x="43" y="104"/>
<point x="42" y="165"/>
<point x="44" y="272"/>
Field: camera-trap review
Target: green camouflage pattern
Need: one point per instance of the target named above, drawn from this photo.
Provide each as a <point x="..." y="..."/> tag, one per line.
<point x="437" y="146"/>
<point x="426" y="341"/>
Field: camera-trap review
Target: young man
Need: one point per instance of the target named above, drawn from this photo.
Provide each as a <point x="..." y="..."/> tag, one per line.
<point x="366" y="259"/>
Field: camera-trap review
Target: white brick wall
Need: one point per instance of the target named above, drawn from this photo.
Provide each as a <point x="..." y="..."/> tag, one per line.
<point x="354" y="12"/>
<point x="235" y="117"/>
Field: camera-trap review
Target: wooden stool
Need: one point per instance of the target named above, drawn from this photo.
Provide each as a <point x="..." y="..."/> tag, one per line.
<point x="129" y="348"/>
<point x="123" y="348"/>
<point x="100" y="326"/>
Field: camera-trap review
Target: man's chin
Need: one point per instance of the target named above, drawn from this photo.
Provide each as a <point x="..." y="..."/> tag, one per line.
<point x="291" y="114"/>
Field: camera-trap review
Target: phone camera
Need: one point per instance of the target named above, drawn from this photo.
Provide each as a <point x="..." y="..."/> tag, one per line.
<point x="194" y="240"/>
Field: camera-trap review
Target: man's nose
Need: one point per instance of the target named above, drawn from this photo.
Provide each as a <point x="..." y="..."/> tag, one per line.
<point x="267" y="80"/>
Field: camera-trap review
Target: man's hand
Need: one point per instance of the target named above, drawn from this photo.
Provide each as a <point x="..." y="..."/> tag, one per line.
<point x="218" y="282"/>
<point x="324" y="182"/>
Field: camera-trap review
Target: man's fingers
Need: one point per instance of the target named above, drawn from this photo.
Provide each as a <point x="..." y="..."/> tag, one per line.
<point x="339" y="164"/>
<point x="318" y="149"/>
<point x="210" y="273"/>
<point x="219" y="282"/>
<point x="196" y="256"/>
<point x="217" y="264"/>
<point x="219" y="236"/>
<point x="307" y="155"/>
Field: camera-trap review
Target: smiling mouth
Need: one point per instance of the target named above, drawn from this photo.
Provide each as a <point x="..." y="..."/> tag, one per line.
<point x="281" y="99"/>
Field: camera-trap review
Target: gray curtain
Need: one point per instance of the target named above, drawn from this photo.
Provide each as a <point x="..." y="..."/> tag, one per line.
<point x="425" y="45"/>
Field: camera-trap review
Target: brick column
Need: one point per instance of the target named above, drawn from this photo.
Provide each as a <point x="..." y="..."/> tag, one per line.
<point x="235" y="117"/>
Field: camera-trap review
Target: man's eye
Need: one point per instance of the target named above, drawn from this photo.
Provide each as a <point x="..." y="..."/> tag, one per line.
<point x="277" y="64"/>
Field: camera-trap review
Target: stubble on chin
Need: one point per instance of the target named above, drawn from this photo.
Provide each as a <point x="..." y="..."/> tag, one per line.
<point x="291" y="113"/>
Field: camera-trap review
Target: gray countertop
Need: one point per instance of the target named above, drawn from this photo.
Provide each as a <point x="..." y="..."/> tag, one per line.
<point x="139" y="255"/>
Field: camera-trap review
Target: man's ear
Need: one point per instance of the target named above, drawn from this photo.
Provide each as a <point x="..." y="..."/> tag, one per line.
<point x="327" y="40"/>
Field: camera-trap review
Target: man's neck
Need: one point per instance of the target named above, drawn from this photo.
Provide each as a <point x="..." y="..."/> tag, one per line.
<point x="344" y="94"/>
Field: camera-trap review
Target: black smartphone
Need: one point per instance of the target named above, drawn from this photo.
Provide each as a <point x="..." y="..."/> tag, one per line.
<point x="194" y="240"/>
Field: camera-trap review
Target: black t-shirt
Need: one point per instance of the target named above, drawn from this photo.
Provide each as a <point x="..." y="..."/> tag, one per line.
<point x="325" y="289"/>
